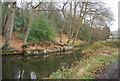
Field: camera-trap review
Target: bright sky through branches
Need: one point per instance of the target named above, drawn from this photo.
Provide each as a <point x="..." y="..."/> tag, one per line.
<point x="113" y="4"/>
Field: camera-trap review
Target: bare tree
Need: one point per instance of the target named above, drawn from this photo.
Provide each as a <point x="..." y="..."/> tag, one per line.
<point x="83" y="11"/>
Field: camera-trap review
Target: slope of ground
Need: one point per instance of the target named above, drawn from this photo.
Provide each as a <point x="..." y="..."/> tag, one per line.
<point x="16" y="43"/>
<point x="97" y="57"/>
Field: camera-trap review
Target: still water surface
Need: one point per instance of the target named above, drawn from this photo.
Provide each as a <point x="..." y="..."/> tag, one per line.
<point x="38" y="66"/>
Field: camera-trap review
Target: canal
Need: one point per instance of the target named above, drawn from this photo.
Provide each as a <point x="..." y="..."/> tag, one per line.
<point x="37" y="66"/>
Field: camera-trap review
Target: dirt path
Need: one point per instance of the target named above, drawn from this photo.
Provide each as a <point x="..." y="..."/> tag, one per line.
<point x="112" y="72"/>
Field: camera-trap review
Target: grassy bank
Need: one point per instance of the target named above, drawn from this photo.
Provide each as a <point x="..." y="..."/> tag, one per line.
<point x="98" y="56"/>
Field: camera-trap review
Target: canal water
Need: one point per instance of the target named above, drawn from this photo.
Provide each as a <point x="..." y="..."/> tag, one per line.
<point x="37" y="66"/>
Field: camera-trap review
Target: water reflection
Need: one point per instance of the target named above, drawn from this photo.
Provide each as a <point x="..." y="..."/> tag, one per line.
<point x="33" y="75"/>
<point x="37" y="67"/>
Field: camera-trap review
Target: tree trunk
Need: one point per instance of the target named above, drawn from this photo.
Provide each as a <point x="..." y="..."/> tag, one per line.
<point x="72" y="21"/>
<point x="10" y="24"/>
<point x="70" y="37"/>
<point x="61" y="32"/>
<point x="76" y="35"/>
<point x="28" y="28"/>
<point x="0" y="19"/>
<point x="5" y="14"/>
<point x="81" y="21"/>
<point x="4" y="29"/>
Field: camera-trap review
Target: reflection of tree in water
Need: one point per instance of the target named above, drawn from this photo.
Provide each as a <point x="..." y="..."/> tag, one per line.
<point x="10" y="69"/>
<point x="26" y="69"/>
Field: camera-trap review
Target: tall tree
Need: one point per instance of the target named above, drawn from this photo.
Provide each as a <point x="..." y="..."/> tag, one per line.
<point x="83" y="13"/>
<point x="32" y="8"/>
<point x="10" y="23"/>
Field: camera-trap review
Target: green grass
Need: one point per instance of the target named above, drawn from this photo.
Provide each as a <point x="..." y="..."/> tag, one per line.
<point x="93" y="62"/>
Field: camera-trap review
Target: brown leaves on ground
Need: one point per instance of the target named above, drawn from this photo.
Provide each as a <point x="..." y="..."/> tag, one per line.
<point x="17" y="43"/>
<point x="42" y="45"/>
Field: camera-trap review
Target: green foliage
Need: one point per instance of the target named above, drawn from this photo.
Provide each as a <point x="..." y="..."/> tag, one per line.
<point x="106" y="32"/>
<point x="86" y="33"/>
<point x="54" y="17"/>
<point x="60" y="74"/>
<point x="21" y="20"/>
<point x="41" y="31"/>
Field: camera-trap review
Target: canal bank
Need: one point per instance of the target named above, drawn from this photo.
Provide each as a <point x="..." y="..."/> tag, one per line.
<point x="36" y="48"/>
<point x="98" y="56"/>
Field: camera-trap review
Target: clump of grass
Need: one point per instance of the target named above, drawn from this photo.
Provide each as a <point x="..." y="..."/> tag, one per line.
<point x="95" y="64"/>
<point x="96" y="46"/>
<point x="86" y="68"/>
<point x="63" y="73"/>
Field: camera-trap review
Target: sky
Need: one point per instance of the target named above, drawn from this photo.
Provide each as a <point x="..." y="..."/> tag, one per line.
<point x="114" y="8"/>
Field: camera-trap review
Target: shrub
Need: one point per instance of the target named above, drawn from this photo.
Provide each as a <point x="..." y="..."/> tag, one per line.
<point x="97" y="45"/>
<point x="86" y="33"/>
<point x="41" y="31"/>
